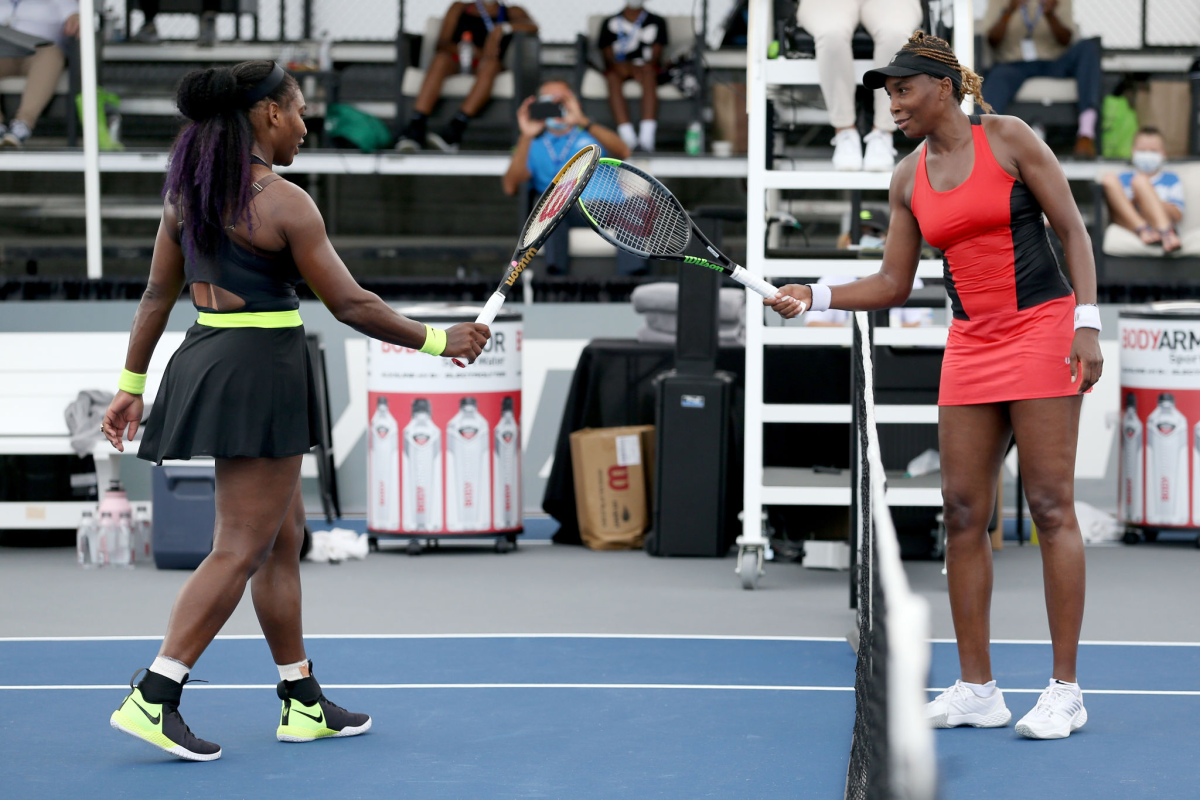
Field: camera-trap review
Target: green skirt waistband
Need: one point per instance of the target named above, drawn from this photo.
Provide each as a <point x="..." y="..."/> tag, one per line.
<point x="251" y="319"/>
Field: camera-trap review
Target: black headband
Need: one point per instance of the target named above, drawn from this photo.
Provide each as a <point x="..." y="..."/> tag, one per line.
<point x="264" y="87"/>
<point x="906" y="63"/>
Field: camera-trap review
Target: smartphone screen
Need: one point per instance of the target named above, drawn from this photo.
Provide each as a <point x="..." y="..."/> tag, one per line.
<point x="545" y="110"/>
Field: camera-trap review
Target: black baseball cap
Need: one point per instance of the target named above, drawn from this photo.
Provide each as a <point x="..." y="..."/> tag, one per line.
<point x="908" y="63"/>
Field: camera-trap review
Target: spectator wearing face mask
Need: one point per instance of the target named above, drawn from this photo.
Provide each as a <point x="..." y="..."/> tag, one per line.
<point x="544" y="147"/>
<point x="1148" y="199"/>
<point x="632" y="42"/>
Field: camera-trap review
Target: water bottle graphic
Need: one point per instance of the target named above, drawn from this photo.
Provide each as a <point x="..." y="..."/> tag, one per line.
<point x="466" y="53"/>
<point x="121" y="544"/>
<point x="1132" y="462"/>
<point x="106" y="535"/>
<point x="422" y="470"/>
<point x="143" y="534"/>
<point x="468" y="501"/>
<point x="1167" y="456"/>
<point x="383" y="470"/>
<point x="85" y="541"/>
<point x="506" y="470"/>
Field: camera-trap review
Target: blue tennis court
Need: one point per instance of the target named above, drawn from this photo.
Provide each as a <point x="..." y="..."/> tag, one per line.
<point x="577" y="717"/>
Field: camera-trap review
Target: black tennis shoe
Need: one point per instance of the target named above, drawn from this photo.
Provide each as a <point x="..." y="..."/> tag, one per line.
<point x="306" y="714"/>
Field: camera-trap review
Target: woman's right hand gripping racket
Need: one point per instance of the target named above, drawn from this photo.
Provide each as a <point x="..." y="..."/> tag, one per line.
<point x="558" y="198"/>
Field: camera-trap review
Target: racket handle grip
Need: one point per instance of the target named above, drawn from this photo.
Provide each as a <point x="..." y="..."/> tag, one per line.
<point x="490" y="310"/>
<point x="754" y="283"/>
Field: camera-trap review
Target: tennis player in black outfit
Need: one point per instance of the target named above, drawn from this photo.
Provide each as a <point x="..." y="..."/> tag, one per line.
<point x="240" y="388"/>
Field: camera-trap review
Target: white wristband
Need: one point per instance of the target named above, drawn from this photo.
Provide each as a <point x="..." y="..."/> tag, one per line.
<point x="1087" y="316"/>
<point x="822" y="296"/>
<point x="506" y="28"/>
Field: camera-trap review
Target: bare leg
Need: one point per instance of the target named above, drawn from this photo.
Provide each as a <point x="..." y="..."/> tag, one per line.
<point x="1124" y="212"/>
<point x="1155" y="211"/>
<point x="972" y="441"/>
<point x="442" y="67"/>
<point x="1047" y="431"/>
<point x="275" y="588"/>
<point x="253" y="495"/>
<point x="616" y="76"/>
<point x="647" y="76"/>
<point x="485" y="75"/>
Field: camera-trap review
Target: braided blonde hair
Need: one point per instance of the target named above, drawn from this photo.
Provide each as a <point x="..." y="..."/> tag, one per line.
<point x="929" y="46"/>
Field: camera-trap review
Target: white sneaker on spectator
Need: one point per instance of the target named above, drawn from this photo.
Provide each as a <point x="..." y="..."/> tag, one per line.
<point x="441" y="144"/>
<point x="847" y="151"/>
<point x="880" y="155"/>
<point x="147" y="35"/>
<point x="1059" y="713"/>
<point x="15" y="136"/>
<point x="628" y="135"/>
<point x="959" y="705"/>
<point x="406" y="145"/>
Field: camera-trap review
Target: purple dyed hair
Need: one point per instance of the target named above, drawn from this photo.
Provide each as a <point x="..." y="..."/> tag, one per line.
<point x="208" y="173"/>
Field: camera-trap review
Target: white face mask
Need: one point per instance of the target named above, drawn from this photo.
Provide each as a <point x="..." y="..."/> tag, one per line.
<point x="1147" y="161"/>
<point x="635" y="4"/>
<point x="556" y="124"/>
<point x="869" y="242"/>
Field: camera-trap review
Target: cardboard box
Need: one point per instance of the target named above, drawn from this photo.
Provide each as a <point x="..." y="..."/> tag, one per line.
<point x="730" y="121"/>
<point x="614" y="475"/>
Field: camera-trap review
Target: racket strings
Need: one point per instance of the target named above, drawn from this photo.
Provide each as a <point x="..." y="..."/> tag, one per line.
<point x="635" y="212"/>
<point x="551" y="203"/>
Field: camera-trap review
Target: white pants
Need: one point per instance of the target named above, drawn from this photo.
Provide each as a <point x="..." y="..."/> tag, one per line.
<point x="832" y="24"/>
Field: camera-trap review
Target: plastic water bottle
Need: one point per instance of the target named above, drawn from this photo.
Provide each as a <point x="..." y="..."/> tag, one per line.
<point x="143" y="535"/>
<point x="325" y="53"/>
<point x="85" y="541"/>
<point x="106" y="534"/>
<point x="122" y="542"/>
<point x="693" y="141"/>
<point x="466" y="53"/>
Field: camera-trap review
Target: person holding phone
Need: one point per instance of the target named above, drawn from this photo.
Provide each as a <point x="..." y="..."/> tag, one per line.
<point x="632" y="42"/>
<point x="554" y="128"/>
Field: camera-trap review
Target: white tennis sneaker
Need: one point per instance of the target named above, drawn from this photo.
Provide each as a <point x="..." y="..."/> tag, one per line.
<point x="847" y="151"/>
<point x="959" y="705"/>
<point x="1059" y="713"/>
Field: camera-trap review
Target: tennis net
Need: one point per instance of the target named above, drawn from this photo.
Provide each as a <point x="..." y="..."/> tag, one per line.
<point x="892" y="755"/>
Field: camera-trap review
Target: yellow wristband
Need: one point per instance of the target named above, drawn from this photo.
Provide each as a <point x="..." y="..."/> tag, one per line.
<point x="435" y="341"/>
<point x="131" y="382"/>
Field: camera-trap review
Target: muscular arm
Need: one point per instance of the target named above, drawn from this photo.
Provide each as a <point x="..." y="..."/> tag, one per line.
<point x="1019" y="150"/>
<point x="999" y="28"/>
<point x="891" y="286"/>
<point x="521" y="21"/>
<point x="609" y="140"/>
<point x="162" y="291"/>
<point x="518" y="168"/>
<point x="1062" y="32"/>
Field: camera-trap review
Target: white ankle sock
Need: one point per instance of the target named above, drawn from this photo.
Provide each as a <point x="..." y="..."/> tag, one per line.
<point x="982" y="689"/>
<point x="170" y="668"/>
<point x="627" y="133"/>
<point x="646" y="133"/>
<point x="292" y="672"/>
<point x="1074" y="687"/>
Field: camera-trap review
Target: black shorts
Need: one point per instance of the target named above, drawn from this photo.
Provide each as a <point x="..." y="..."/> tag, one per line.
<point x="235" y="393"/>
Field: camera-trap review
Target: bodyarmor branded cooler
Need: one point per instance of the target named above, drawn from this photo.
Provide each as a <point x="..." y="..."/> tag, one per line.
<point x="1159" y="481"/>
<point x="444" y="451"/>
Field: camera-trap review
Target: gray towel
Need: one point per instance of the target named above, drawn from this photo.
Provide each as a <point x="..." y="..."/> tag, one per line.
<point x="663" y="298"/>
<point x="84" y="415"/>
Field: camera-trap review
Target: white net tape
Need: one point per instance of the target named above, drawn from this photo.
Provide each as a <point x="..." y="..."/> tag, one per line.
<point x="555" y="200"/>
<point x="912" y="764"/>
<point x="636" y="212"/>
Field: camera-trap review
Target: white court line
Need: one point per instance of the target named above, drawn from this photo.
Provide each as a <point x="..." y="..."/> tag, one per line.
<point x="652" y="686"/>
<point x="667" y="636"/>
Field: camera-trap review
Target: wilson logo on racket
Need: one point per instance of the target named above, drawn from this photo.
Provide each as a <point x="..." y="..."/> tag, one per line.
<point x="520" y="266"/>
<point x="558" y="199"/>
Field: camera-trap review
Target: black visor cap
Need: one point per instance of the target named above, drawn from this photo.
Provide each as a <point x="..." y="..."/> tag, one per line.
<point x="904" y="64"/>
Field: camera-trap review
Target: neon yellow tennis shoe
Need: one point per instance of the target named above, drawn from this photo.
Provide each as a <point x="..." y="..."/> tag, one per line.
<point x="307" y="716"/>
<point x="151" y="713"/>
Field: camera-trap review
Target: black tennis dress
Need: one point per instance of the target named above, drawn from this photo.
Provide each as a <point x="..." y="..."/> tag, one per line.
<point x="241" y="385"/>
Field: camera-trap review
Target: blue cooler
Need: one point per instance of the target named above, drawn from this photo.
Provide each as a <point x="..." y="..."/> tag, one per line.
<point x="185" y="514"/>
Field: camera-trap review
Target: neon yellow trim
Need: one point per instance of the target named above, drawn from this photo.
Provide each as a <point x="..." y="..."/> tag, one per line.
<point x="252" y="319"/>
<point x="131" y="382"/>
<point x="435" y="341"/>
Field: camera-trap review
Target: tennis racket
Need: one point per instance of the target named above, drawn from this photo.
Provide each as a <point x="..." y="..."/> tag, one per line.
<point x="548" y="211"/>
<point x="635" y="212"/>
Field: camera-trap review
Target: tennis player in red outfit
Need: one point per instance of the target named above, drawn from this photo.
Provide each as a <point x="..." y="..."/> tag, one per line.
<point x="1022" y="350"/>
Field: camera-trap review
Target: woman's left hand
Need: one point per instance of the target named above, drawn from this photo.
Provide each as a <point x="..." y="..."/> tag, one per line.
<point x="71" y="25"/>
<point x="1087" y="363"/>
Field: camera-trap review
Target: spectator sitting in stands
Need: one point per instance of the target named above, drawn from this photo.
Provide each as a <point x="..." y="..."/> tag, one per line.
<point x="1147" y="200"/>
<point x="148" y="33"/>
<point x="47" y="19"/>
<point x="1032" y="39"/>
<point x="632" y="42"/>
<point x="832" y="24"/>
<point x="490" y="26"/>
<point x="544" y="147"/>
<point x="874" y="227"/>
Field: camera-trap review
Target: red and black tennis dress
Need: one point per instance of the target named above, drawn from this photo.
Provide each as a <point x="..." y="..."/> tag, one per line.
<point x="1013" y="310"/>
